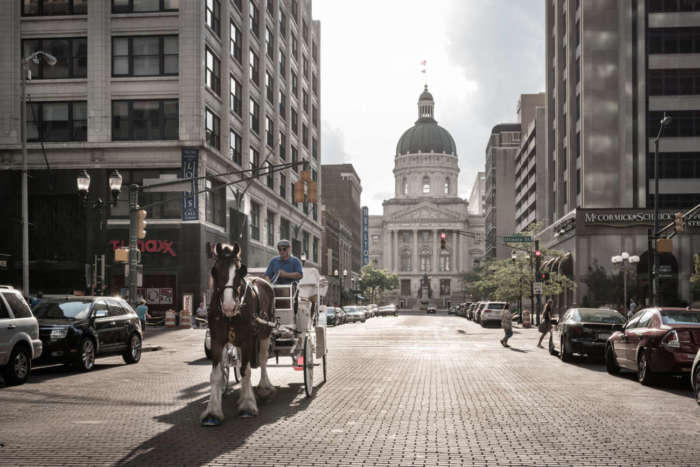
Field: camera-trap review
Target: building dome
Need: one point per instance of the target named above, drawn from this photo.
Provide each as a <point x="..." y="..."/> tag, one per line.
<point x="426" y="135"/>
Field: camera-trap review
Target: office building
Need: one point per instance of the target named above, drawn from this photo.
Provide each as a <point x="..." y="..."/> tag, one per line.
<point x="530" y="186"/>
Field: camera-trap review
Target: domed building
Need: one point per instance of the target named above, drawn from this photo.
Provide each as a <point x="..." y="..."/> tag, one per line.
<point x="426" y="234"/>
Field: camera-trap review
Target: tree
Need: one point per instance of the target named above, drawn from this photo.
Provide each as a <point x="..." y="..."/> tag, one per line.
<point x="374" y="281"/>
<point x="695" y="277"/>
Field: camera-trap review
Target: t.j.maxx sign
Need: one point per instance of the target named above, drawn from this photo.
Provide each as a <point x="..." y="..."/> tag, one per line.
<point x="166" y="247"/>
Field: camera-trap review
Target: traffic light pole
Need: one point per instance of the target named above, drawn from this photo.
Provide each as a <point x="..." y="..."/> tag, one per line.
<point x="537" y="276"/>
<point x="133" y="243"/>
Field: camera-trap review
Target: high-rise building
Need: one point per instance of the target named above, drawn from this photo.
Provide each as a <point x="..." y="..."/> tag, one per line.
<point x="530" y="186"/>
<point x="613" y="70"/>
<point x="477" y="195"/>
<point x="499" y="216"/>
<point x="220" y="89"/>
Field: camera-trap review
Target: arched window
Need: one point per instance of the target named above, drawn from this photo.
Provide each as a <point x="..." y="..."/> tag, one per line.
<point x="425" y="261"/>
<point x="447" y="185"/>
<point x="426" y="184"/>
<point x="445" y="261"/>
<point x="404" y="188"/>
<point x="405" y="261"/>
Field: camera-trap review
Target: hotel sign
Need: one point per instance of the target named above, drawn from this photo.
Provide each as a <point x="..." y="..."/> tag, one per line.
<point x="631" y="218"/>
<point x="365" y="235"/>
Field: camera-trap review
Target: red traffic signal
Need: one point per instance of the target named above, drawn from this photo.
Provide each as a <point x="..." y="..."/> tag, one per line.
<point x="538" y="253"/>
<point x="544" y="276"/>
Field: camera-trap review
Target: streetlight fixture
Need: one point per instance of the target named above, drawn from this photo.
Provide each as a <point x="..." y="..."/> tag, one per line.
<point x="666" y="121"/>
<point x="36" y="58"/>
<point x="115" y="186"/>
<point x="625" y="260"/>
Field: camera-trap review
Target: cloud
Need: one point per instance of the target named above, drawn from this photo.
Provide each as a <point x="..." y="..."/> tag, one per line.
<point x="333" y="145"/>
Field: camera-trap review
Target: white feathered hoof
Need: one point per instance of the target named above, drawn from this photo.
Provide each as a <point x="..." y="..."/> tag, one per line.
<point x="247" y="413"/>
<point x="210" y="419"/>
<point x="265" y="392"/>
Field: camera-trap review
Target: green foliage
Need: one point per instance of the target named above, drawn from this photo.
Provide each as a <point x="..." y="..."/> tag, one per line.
<point x="374" y="281"/>
<point x="695" y="277"/>
<point x="603" y="288"/>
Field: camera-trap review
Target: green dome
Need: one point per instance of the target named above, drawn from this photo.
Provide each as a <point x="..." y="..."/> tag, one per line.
<point x="426" y="136"/>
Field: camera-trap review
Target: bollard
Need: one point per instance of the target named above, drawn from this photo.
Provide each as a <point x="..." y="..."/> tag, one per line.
<point x="170" y="319"/>
<point x="526" y="319"/>
<point x="185" y="319"/>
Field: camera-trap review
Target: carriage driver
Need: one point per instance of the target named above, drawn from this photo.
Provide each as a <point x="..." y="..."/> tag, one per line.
<point x="285" y="268"/>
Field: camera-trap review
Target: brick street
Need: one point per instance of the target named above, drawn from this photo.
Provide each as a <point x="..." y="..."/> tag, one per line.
<point x="407" y="390"/>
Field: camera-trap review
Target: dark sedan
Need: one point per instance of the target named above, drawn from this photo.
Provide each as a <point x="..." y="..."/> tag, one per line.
<point x="76" y="330"/>
<point x="332" y="317"/>
<point x="583" y="331"/>
<point x="655" y="340"/>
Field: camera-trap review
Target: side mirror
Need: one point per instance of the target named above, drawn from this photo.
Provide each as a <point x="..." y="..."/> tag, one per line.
<point x="100" y="313"/>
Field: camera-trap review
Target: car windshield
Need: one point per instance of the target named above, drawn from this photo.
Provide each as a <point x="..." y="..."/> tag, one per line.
<point x="601" y="316"/>
<point x="76" y="309"/>
<point x="496" y="306"/>
<point x="680" y="317"/>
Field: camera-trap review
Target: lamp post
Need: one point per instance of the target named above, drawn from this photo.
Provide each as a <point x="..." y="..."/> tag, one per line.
<point x="625" y="260"/>
<point x="655" y="285"/>
<point x="514" y="257"/>
<point x="50" y="60"/>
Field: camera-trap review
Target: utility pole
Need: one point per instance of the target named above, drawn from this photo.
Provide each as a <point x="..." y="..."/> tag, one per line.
<point x="133" y="242"/>
<point x="538" y="261"/>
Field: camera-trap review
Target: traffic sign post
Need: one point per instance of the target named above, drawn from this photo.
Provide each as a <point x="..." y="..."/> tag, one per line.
<point x="538" y="287"/>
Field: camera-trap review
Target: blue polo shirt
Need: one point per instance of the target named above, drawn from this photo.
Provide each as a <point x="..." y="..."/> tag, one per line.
<point x="291" y="265"/>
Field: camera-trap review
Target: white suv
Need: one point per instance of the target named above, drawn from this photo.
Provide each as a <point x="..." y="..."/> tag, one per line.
<point x="492" y="312"/>
<point x="19" y="336"/>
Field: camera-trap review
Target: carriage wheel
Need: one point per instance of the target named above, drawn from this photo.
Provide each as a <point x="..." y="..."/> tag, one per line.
<point x="308" y="367"/>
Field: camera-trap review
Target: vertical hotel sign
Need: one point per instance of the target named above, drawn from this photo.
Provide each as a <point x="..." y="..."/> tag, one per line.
<point x="190" y="208"/>
<point x="365" y="235"/>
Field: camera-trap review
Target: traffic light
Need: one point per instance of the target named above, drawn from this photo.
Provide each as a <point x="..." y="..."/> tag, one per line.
<point x="443" y="241"/>
<point x="679" y="222"/>
<point x="544" y="277"/>
<point x="141" y="223"/>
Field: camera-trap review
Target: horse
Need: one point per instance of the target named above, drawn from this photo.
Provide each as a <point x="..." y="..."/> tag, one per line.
<point x="242" y="313"/>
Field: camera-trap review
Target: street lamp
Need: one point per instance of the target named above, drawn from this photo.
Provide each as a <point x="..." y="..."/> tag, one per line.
<point x="625" y="260"/>
<point x="514" y="257"/>
<point x="36" y="58"/>
<point x="114" y="181"/>
<point x="666" y="121"/>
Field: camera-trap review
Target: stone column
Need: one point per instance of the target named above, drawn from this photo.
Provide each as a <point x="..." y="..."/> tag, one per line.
<point x="436" y="250"/>
<point x="416" y="265"/>
<point x="455" y="240"/>
<point x="397" y="260"/>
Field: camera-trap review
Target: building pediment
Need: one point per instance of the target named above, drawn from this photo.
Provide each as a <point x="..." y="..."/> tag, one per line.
<point x="426" y="212"/>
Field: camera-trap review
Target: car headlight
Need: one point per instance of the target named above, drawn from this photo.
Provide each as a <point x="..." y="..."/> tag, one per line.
<point x="58" y="333"/>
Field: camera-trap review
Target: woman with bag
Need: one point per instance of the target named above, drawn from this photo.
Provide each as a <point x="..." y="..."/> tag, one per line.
<point x="546" y="323"/>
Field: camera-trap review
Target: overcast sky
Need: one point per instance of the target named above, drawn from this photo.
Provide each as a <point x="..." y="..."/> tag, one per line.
<point x="481" y="55"/>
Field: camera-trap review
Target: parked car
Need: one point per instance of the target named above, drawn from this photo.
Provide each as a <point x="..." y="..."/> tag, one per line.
<point x="655" y="340"/>
<point x="695" y="377"/>
<point x="19" y="337"/>
<point x="492" y="312"/>
<point x="388" y="310"/>
<point x="583" y="331"/>
<point x="477" y="312"/>
<point x="354" y="313"/>
<point x="373" y="308"/>
<point x="469" y="314"/>
<point x="76" y="330"/>
<point x="331" y="316"/>
<point x="431" y="309"/>
<point x="462" y="310"/>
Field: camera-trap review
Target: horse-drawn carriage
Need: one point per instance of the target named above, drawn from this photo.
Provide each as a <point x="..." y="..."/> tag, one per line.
<point x="251" y="319"/>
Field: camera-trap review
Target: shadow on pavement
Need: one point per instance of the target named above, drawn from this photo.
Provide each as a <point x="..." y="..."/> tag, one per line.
<point x="49" y="371"/>
<point x="515" y="349"/>
<point x="188" y="443"/>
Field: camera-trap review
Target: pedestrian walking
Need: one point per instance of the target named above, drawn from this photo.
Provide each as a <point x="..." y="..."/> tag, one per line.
<point x="142" y="311"/>
<point x="507" y="325"/>
<point x="633" y="306"/>
<point x="546" y="323"/>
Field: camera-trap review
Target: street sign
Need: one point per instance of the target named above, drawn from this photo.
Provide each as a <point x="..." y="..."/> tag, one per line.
<point x="537" y="287"/>
<point x="517" y="239"/>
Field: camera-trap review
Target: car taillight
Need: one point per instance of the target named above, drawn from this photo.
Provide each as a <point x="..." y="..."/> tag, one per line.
<point x="671" y="340"/>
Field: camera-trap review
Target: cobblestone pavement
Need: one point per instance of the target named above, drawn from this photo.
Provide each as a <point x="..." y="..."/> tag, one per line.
<point x="408" y="390"/>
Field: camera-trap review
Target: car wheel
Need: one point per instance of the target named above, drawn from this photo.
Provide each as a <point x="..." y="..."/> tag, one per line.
<point x="86" y="359"/>
<point x="611" y="361"/>
<point x="18" y="367"/>
<point x="551" y="346"/>
<point x="133" y="353"/>
<point x="697" y="385"/>
<point x="563" y="354"/>
<point x="644" y="374"/>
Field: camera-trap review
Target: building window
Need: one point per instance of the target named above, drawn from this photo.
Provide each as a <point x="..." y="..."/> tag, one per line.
<point x="254" y="116"/>
<point x="284" y="229"/>
<point x="314" y="211"/>
<point x="283" y="24"/>
<point x="212" y="15"/>
<point x="235" y="97"/>
<point x="269" y="133"/>
<point x="254" y="68"/>
<point x="667" y="6"/>
<point x="404" y="188"/>
<point x="283" y="105"/>
<point x="444" y="287"/>
<point x="254" y="19"/>
<point x="314" y="250"/>
<point x="254" y="221"/>
<point x="314" y="51"/>
<point x="270" y="227"/>
<point x="145" y="120"/>
<point x="305" y="135"/>
<point x="306" y="67"/>
<point x="235" y="147"/>
<point x="235" y="44"/>
<point x="295" y="83"/>
<point x="674" y="82"/>
<point x="70" y="53"/>
<point x="53" y="7"/>
<point x="238" y="4"/>
<point x="314" y="84"/>
<point x="283" y="63"/>
<point x="426" y="184"/>
<point x="212" y="77"/>
<point x="305" y="101"/>
<point x="295" y="10"/>
<point x="283" y="186"/>
<point x="684" y="123"/>
<point x="269" y="39"/>
<point x="305" y="31"/>
<point x="674" y="40"/>
<point x="295" y="159"/>
<point x="145" y="56"/>
<point x="425" y="261"/>
<point x="143" y="6"/>
<point x="447" y="186"/>
<point x="269" y="88"/>
<point x="270" y="176"/>
<point x="445" y="262"/>
<point x="314" y="116"/>
<point x="295" y="121"/>
<point x="314" y="148"/>
<point x="283" y="146"/>
<point x="215" y="203"/>
<point x="405" y="261"/>
<point x="212" y="127"/>
<point x="295" y="47"/>
<point x="305" y="243"/>
<point x="254" y="160"/>
<point x="56" y="121"/>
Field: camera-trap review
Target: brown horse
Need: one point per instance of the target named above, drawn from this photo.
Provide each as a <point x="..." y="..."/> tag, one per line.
<point x="241" y="313"/>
